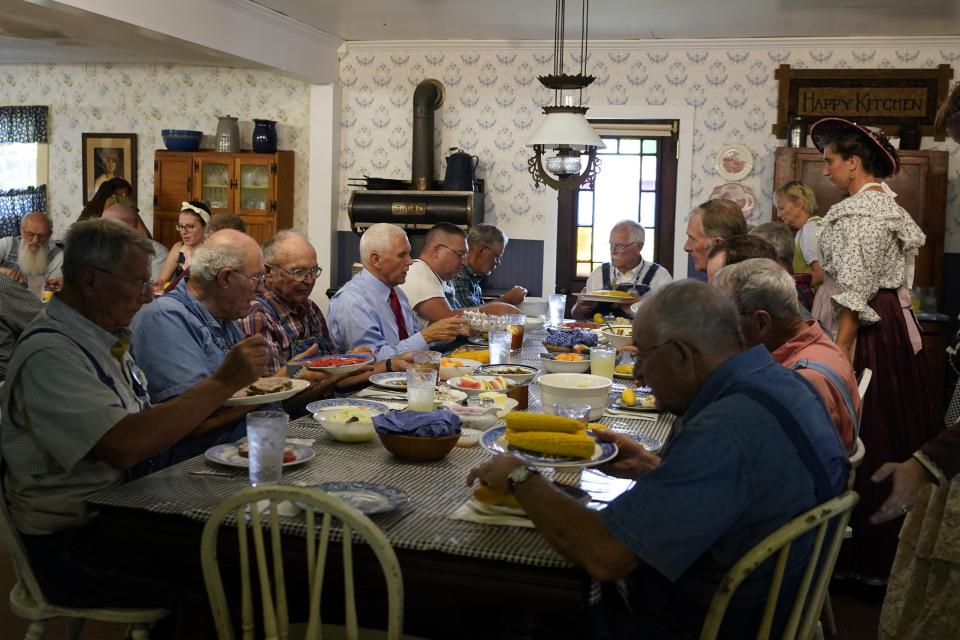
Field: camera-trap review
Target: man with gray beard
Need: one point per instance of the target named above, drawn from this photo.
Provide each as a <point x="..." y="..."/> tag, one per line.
<point x="33" y="252"/>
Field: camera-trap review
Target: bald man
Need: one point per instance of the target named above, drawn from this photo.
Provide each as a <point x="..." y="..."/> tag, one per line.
<point x="124" y="211"/>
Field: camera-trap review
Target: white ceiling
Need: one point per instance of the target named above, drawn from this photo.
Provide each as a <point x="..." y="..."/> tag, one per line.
<point x="359" y="20"/>
<point x="56" y="32"/>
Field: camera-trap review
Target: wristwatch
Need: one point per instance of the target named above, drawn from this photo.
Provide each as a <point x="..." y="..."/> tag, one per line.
<point x="520" y="475"/>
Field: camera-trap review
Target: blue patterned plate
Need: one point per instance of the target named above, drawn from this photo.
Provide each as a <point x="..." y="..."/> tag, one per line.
<point x="333" y="403"/>
<point x="496" y="440"/>
<point x="392" y="380"/>
<point x="226" y="454"/>
<point x="366" y="497"/>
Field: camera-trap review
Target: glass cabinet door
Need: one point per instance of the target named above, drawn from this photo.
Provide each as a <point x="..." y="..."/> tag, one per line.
<point x="254" y="186"/>
<point x="215" y="184"/>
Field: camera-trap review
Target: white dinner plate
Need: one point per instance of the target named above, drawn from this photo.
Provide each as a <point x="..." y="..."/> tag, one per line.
<point x="600" y="297"/>
<point x="392" y="380"/>
<point x="496" y="440"/>
<point x="298" y="386"/>
<point x="226" y="454"/>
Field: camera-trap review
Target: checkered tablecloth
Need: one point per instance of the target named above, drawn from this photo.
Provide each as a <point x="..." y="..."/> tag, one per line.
<point x="436" y="489"/>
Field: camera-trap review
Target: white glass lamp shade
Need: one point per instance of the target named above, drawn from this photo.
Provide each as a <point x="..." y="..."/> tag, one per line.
<point x="563" y="165"/>
<point x="568" y="129"/>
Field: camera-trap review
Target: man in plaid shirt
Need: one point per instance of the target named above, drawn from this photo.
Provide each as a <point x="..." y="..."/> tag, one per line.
<point x="285" y="315"/>
<point x="487" y="243"/>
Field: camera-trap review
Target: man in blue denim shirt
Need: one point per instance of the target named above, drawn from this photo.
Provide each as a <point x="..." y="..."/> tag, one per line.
<point x="185" y="335"/>
<point x="729" y="477"/>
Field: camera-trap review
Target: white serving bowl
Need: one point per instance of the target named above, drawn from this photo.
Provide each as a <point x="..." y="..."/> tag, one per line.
<point x="346" y="431"/>
<point x="534" y="306"/>
<point x="455" y="384"/>
<point x="552" y="365"/>
<point x="575" y="388"/>
<point x="453" y="372"/>
<point x="519" y="373"/>
<point x="481" y="418"/>
<point x="615" y="338"/>
<point x="532" y="323"/>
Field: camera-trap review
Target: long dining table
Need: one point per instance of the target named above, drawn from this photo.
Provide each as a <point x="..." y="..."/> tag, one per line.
<point x="462" y="579"/>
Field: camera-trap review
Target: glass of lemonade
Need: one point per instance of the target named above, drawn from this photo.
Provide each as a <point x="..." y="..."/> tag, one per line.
<point x="266" y="437"/>
<point x="602" y="361"/>
<point x="421" y="386"/>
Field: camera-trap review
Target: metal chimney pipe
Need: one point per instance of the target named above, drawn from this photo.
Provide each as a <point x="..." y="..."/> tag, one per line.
<point x="427" y="98"/>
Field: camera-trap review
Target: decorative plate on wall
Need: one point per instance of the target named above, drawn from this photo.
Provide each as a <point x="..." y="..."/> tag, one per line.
<point x="740" y="194"/>
<point x="734" y="162"/>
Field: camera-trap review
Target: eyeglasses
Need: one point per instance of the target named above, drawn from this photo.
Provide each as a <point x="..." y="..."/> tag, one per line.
<point x="146" y="286"/>
<point x="42" y="237"/>
<point x="300" y="275"/>
<point x="618" y="248"/>
<point x="460" y="254"/>
<point x="497" y="257"/>
<point x="186" y="227"/>
<point x="643" y="354"/>
<point x="258" y="280"/>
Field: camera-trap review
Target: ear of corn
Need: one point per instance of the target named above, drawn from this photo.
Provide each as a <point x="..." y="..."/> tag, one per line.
<point x="489" y="495"/>
<point x="542" y="422"/>
<point x="577" y="445"/>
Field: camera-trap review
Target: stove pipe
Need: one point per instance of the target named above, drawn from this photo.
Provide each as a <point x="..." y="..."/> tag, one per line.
<point x="426" y="99"/>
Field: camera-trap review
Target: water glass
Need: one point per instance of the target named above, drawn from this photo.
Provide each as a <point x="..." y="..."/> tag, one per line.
<point x="579" y="412"/>
<point x="421" y="386"/>
<point x="602" y="361"/>
<point x="36" y="284"/>
<point x="499" y="346"/>
<point x="266" y="437"/>
<point x="558" y="304"/>
<point x="427" y="360"/>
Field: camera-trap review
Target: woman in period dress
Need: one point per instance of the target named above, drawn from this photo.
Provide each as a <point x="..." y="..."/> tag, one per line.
<point x="868" y="244"/>
<point x="192" y="223"/>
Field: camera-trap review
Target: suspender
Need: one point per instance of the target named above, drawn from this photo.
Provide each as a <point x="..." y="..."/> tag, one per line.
<point x="640" y="286"/>
<point x="837" y="382"/>
<point x="105" y="378"/>
<point x="798" y="438"/>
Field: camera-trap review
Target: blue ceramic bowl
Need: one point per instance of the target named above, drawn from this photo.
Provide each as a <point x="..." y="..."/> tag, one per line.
<point x="181" y="139"/>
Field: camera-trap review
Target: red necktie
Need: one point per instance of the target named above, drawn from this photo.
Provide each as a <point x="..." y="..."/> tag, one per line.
<point x="398" y="314"/>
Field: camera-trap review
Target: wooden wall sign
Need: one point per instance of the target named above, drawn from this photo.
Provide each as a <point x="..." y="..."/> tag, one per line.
<point x="886" y="98"/>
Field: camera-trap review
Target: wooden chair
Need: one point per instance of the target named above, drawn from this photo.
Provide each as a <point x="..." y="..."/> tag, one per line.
<point x="27" y="599"/>
<point x="802" y="622"/>
<point x="244" y="507"/>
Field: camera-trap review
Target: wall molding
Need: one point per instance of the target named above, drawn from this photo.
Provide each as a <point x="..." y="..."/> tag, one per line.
<point x="762" y="44"/>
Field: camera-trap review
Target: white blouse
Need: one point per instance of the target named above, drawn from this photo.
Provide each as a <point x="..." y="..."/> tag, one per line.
<point x="866" y="241"/>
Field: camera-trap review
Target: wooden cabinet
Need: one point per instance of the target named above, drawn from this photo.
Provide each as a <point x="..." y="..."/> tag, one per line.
<point x="921" y="188"/>
<point x="257" y="186"/>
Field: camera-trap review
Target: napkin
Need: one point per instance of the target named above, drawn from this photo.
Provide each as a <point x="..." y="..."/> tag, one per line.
<point x="424" y="424"/>
<point x="469" y="512"/>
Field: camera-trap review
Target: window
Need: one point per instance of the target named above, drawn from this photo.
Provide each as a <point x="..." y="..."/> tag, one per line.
<point x="626" y="188"/>
<point x="22" y="166"/>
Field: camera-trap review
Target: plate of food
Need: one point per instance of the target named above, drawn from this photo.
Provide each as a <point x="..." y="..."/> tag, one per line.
<point x="623" y="371"/>
<point x="498" y="441"/>
<point x="391" y="380"/>
<point x="475" y="385"/>
<point x="478" y="340"/>
<point x="606" y="295"/>
<point x="633" y="400"/>
<point x="266" y="390"/>
<point x="443" y="394"/>
<point x="489" y="501"/>
<point x="336" y="363"/>
<point x="237" y="454"/>
<point x="368" y="498"/>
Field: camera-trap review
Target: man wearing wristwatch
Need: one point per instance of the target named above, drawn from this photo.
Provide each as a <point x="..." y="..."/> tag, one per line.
<point x="729" y="477"/>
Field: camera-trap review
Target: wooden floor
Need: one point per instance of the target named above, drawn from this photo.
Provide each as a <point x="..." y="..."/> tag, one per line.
<point x="856" y="619"/>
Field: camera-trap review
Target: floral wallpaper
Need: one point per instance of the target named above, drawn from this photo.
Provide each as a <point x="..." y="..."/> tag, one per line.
<point x="493" y="101"/>
<point x="144" y="99"/>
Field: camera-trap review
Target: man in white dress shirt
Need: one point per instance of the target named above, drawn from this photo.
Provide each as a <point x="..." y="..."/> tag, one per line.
<point x="626" y="271"/>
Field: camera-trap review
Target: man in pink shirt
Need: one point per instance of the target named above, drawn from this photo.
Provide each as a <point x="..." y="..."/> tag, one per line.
<point x="766" y="297"/>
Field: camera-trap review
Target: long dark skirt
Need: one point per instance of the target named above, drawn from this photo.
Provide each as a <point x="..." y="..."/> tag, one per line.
<point x="899" y="415"/>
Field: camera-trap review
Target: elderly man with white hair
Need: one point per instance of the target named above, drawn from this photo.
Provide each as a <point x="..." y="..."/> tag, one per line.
<point x="770" y="314"/>
<point x="124" y="211"/>
<point x="33" y="252"/>
<point x="730" y="476"/>
<point x="371" y="311"/>
<point x="627" y="271"/>
<point x="185" y="335"/>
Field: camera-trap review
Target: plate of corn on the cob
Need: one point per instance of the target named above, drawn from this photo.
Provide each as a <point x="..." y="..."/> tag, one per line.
<point x="548" y="441"/>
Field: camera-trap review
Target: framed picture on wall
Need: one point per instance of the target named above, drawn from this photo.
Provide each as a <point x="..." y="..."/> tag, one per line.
<point x="107" y="156"/>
